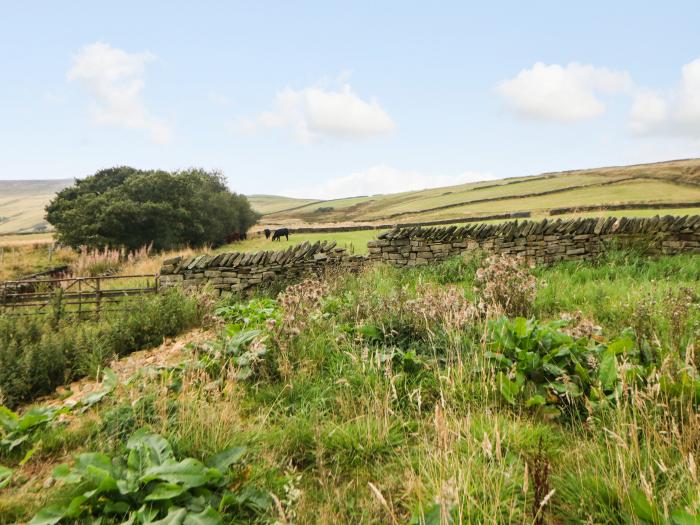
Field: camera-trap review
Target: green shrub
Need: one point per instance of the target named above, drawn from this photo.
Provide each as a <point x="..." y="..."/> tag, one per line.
<point x="544" y="368"/>
<point x="37" y="355"/>
<point x="147" y="483"/>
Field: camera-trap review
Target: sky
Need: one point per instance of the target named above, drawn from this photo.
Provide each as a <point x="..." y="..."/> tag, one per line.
<point x="329" y="99"/>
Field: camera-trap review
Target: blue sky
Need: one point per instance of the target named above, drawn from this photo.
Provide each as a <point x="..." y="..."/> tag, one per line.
<point x="327" y="99"/>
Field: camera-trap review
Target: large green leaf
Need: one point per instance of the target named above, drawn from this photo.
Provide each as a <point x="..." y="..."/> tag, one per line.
<point x="5" y="476"/>
<point x="34" y="417"/>
<point x="208" y="516"/>
<point x="622" y="345"/>
<point x="8" y="419"/>
<point x="189" y="472"/>
<point x="165" y="491"/>
<point x="683" y="517"/>
<point x="509" y="389"/>
<point x="176" y="516"/>
<point x="11" y="445"/>
<point x="536" y="400"/>
<point x="607" y="372"/>
<point x="643" y="508"/>
<point x="151" y="449"/>
<point x="224" y="459"/>
<point x="64" y="473"/>
<point x="48" y="516"/>
<point x="553" y="369"/>
<point x="117" y="507"/>
<point x="520" y="327"/>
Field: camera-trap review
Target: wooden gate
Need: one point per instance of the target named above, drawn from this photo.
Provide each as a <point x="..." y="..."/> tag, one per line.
<point x="80" y="296"/>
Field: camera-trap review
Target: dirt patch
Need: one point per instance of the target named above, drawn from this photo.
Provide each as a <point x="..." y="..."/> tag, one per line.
<point x="170" y="353"/>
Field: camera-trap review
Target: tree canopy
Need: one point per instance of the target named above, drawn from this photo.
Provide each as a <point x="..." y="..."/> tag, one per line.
<point x="127" y="207"/>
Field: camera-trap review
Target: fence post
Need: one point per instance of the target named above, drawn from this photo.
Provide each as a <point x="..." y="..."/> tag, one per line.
<point x="98" y="296"/>
<point x="80" y="298"/>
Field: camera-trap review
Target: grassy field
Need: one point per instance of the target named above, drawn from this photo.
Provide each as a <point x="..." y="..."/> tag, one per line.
<point x="639" y="191"/>
<point x="354" y="242"/>
<point x="273" y="203"/>
<point x="27" y="254"/>
<point x="22" y="203"/>
<point x="392" y="397"/>
<point x="677" y="181"/>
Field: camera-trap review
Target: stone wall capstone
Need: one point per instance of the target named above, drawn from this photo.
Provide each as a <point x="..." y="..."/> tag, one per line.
<point x="542" y="242"/>
<point x="237" y="271"/>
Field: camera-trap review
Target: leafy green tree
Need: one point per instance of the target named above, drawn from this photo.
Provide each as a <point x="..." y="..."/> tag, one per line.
<point x="127" y="207"/>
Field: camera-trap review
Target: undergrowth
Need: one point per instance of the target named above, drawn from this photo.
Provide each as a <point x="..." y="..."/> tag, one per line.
<point x="475" y="391"/>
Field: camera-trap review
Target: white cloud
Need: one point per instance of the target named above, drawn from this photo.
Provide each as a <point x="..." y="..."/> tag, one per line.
<point x="115" y="80"/>
<point x="382" y="179"/>
<point x="676" y="112"/>
<point x="564" y="94"/>
<point x="314" y="113"/>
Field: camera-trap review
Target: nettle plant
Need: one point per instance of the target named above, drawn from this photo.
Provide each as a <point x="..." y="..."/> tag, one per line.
<point x="543" y="367"/>
<point x="148" y="485"/>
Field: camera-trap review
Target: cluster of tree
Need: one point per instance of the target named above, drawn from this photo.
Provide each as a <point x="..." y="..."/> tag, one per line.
<point x="132" y="208"/>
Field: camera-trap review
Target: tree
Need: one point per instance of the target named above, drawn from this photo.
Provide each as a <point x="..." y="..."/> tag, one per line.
<point x="126" y="207"/>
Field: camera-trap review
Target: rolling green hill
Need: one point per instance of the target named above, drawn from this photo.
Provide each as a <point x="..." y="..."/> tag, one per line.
<point x="272" y="203"/>
<point x="22" y="203"/>
<point x="663" y="182"/>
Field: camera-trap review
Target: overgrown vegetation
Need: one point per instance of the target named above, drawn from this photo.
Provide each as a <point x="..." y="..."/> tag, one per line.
<point x="39" y="353"/>
<point x="475" y="391"/>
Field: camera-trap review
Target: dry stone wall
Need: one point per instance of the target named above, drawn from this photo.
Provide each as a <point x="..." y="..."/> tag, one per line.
<point x="542" y="242"/>
<point x="237" y="271"/>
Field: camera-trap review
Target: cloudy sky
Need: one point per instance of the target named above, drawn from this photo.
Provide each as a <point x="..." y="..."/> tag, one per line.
<point x="329" y="99"/>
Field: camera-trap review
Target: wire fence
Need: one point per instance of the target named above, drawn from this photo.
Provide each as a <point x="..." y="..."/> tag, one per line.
<point x="75" y="296"/>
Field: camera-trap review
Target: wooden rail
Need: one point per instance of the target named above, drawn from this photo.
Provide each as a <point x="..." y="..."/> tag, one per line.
<point x="78" y="296"/>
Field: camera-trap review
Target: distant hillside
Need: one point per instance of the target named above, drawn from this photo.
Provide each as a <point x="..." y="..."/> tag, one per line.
<point x="273" y="203"/>
<point x="22" y="203"/>
<point x="662" y="182"/>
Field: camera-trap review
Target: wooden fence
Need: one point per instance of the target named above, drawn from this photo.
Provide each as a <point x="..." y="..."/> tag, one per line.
<point x="75" y="296"/>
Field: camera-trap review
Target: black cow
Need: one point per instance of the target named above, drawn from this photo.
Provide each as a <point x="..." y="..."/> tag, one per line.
<point x="282" y="232"/>
<point x="234" y="237"/>
<point x="267" y="233"/>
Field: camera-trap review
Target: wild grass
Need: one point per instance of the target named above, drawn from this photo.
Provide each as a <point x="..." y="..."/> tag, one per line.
<point x="372" y="398"/>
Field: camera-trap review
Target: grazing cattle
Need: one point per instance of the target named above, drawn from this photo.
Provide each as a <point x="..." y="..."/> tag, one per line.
<point x="235" y="237"/>
<point x="267" y="233"/>
<point x="282" y="232"/>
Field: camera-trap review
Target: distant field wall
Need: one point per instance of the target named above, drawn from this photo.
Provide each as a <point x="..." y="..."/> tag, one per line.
<point x="626" y="206"/>
<point x="542" y="242"/>
<point x="365" y="227"/>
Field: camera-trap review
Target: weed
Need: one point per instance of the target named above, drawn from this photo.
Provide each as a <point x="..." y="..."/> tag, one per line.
<point x="504" y="284"/>
<point x="148" y="483"/>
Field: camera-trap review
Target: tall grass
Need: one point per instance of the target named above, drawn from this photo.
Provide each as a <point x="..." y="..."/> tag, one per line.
<point x="372" y="398"/>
